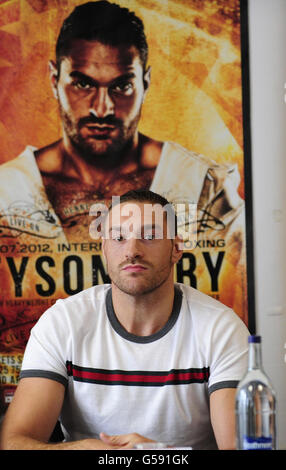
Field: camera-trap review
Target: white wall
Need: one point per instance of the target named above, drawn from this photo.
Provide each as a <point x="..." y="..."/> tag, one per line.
<point x="267" y="43"/>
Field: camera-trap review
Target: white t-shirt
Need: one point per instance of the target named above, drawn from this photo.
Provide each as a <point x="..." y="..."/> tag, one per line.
<point x="158" y="385"/>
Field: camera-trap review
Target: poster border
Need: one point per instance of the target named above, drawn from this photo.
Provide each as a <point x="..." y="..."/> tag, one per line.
<point x="246" y="113"/>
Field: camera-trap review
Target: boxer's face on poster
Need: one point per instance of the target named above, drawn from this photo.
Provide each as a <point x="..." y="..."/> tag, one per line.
<point x="100" y="90"/>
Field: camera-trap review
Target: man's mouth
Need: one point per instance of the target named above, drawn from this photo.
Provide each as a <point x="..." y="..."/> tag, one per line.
<point x="135" y="268"/>
<point x="100" y="130"/>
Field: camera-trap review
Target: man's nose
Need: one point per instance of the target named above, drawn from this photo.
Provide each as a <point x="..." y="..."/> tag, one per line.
<point x="133" y="248"/>
<point x="102" y="104"/>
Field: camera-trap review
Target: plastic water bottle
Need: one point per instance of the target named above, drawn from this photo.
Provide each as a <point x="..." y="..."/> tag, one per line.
<point x="255" y="404"/>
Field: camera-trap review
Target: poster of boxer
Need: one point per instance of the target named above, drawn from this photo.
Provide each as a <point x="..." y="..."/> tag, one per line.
<point x="103" y="97"/>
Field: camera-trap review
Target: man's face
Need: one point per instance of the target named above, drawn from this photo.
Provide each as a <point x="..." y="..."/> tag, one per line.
<point x="137" y="261"/>
<point x="100" y="92"/>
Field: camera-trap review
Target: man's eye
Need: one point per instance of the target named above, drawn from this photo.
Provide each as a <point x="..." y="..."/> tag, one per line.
<point x="124" y="88"/>
<point x="149" y="236"/>
<point x="82" y="85"/>
<point x="117" y="237"/>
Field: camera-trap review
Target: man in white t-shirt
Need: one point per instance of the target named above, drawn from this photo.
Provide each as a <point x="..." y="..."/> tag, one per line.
<point x="142" y="359"/>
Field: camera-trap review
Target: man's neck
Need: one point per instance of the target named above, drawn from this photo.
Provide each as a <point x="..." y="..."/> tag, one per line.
<point x="98" y="167"/>
<point x="63" y="160"/>
<point x="144" y="315"/>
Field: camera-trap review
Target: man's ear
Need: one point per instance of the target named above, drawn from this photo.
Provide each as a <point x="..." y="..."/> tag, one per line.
<point x="177" y="249"/>
<point x="54" y="77"/>
<point x="147" y="78"/>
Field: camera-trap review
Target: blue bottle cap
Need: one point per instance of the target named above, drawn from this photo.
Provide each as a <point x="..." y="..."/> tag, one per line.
<point x="254" y="339"/>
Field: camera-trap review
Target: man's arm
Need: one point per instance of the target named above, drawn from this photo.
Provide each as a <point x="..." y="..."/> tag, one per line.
<point x="222" y="411"/>
<point x="33" y="413"/>
<point x="32" y="416"/>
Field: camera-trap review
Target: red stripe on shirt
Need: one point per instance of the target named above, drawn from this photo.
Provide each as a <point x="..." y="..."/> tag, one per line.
<point x="138" y="377"/>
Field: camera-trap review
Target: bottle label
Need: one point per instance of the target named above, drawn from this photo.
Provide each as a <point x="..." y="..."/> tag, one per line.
<point x="257" y="443"/>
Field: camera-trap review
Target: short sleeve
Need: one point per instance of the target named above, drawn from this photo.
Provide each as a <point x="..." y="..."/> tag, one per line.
<point x="46" y="351"/>
<point x="229" y="352"/>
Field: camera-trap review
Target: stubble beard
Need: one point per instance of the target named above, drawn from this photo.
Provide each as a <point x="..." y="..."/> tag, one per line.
<point x="138" y="288"/>
<point x="99" y="151"/>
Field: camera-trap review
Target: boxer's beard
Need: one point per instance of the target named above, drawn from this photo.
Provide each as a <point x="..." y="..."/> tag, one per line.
<point x="97" y="149"/>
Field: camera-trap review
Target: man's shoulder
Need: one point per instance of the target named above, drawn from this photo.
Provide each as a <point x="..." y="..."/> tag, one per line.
<point x="77" y="311"/>
<point x="204" y="309"/>
<point x="200" y="300"/>
<point x="46" y="159"/>
<point x="150" y="151"/>
<point x="94" y="295"/>
<point x="208" y="313"/>
<point x="50" y="158"/>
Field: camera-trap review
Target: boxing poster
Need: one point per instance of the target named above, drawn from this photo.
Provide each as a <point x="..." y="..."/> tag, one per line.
<point x="193" y="127"/>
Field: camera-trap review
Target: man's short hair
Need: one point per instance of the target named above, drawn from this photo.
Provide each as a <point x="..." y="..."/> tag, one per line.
<point x="105" y="22"/>
<point x="145" y="195"/>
